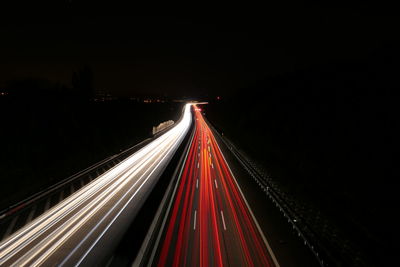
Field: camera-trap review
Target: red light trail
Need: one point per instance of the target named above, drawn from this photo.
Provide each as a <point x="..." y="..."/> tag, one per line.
<point x="210" y="223"/>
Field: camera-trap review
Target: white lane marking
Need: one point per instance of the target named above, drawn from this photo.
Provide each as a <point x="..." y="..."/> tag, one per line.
<point x="212" y="165"/>
<point x="216" y="185"/>
<point x="198" y="164"/>
<point x="199" y="154"/>
<point x="271" y="253"/>
<point x="194" y="221"/>
<point x="197" y="183"/>
<point x="223" y="220"/>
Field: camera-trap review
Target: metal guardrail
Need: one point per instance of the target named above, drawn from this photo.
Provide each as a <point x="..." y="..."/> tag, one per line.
<point x="18" y="215"/>
<point x="297" y="222"/>
<point x="112" y="160"/>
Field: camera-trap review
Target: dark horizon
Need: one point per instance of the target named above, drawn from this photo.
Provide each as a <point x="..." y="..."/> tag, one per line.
<point x="188" y="53"/>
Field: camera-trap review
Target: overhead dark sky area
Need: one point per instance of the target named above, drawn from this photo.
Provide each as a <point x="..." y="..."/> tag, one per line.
<point x="194" y="52"/>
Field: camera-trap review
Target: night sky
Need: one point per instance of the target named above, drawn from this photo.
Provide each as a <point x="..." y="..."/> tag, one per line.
<point x="194" y="52"/>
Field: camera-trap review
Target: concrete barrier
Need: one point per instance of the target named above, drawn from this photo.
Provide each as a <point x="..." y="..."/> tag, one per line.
<point x="162" y="126"/>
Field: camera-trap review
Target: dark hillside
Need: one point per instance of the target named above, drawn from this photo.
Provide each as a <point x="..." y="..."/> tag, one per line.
<point x="326" y="135"/>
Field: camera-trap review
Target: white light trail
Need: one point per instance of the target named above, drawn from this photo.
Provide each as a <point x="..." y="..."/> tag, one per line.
<point x="43" y="240"/>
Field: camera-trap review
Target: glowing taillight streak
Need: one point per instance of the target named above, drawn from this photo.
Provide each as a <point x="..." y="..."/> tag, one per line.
<point x="209" y="215"/>
<point x="236" y="219"/>
<point x="179" y="196"/>
<point x="232" y="194"/>
<point x="250" y="222"/>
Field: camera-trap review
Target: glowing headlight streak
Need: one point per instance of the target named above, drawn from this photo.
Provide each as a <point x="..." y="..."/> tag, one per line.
<point x="44" y="237"/>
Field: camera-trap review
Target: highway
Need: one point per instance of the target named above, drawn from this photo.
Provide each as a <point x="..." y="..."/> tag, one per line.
<point x="84" y="228"/>
<point x="210" y="222"/>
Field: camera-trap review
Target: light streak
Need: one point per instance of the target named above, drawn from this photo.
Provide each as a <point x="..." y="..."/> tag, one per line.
<point x="46" y="240"/>
<point x="211" y="244"/>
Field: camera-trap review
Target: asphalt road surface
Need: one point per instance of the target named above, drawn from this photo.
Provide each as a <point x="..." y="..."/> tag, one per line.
<point x="210" y="222"/>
